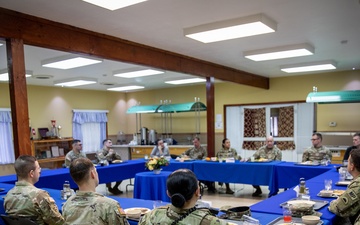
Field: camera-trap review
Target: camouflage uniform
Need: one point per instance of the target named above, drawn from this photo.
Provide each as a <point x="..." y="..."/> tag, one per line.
<point x="104" y="154"/>
<point x="348" y="204"/>
<point x="28" y="201"/>
<point x="165" y="215"/>
<point x="93" y="208"/>
<point x="267" y="153"/>
<point x="357" y="221"/>
<point x="318" y="154"/>
<point x="228" y="153"/>
<point x="70" y="156"/>
<point x="196" y="153"/>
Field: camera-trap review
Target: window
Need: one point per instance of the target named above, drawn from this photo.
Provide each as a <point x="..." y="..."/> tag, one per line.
<point x="290" y="124"/>
<point x="90" y="127"/>
<point x="7" y="155"/>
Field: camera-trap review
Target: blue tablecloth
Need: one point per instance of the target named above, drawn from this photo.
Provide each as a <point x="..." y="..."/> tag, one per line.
<point x="175" y="165"/>
<point x="55" y="178"/>
<point x="150" y="186"/>
<point x="287" y="174"/>
<point x="315" y="185"/>
<point x="257" y="173"/>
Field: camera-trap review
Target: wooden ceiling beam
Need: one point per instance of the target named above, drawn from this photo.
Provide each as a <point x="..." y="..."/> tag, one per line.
<point x="53" y="35"/>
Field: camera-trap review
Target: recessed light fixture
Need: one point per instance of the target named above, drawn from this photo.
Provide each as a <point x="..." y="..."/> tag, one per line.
<point x="75" y="82"/>
<point x="231" y="29"/>
<point x="131" y="73"/>
<point x="4" y="76"/>
<point x="308" y="67"/>
<point x="280" y="52"/>
<point x="114" y="4"/>
<point x="69" y="62"/>
<point x="126" y="88"/>
<point x="186" y="81"/>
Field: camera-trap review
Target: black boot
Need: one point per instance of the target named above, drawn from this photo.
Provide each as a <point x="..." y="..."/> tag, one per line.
<point x="258" y="191"/>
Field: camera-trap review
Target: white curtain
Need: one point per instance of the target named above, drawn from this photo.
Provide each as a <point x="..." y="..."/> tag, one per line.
<point x="7" y="154"/>
<point x="234" y="129"/>
<point x="91" y="137"/>
<point x="89" y="126"/>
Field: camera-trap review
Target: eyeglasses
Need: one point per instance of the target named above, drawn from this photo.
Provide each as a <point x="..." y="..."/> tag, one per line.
<point x="314" y="139"/>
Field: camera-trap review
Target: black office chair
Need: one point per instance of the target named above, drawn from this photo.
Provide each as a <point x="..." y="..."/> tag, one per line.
<point x="173" y="156"/>
<point x="16" y="220"/>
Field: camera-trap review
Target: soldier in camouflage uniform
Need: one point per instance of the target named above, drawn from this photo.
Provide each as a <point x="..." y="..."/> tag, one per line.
<point x="106" y="153"/>
<point x="268" y="151"/>
<point x="74" y="153"/>
<point x="227" y="152"/>
<point x="28" y="201"/>
<point x="183" y="190"/>
<point x="199" y="152"/>
<point x="87" y="206"/>
<point x="316" y="152"/>
<point x="196" y="152"/>
<point x="348" y="204"/>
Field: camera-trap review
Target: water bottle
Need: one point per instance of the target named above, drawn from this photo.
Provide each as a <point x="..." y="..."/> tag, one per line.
<point x="66" y="189"/>
<point x="302" y="188"/>
<point x="342" y="174"/>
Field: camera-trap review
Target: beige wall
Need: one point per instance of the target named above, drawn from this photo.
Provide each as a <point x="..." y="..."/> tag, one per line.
<point x="46" y="103"/>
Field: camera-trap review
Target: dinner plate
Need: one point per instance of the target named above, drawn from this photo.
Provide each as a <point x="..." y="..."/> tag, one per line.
<point x="331" y="196"/>
<point x="338" y="192"/>
<point x="290" y="223"/>
<point x="343" y="183"/>
<point x="143" y="210"/>
<point x="295" y="202"/>
<point x="262" y="161"/>
<point x="307" y="164"/>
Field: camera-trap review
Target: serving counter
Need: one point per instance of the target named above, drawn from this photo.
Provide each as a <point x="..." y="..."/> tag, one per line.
<point x="139" y="151"/>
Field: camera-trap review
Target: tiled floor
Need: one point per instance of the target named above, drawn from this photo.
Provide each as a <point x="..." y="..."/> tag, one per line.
<point x="242" y="196"/>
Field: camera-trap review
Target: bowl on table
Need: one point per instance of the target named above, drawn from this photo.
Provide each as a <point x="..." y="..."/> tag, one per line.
<point x="310" y="220"/>
<point x="133" y="213"/>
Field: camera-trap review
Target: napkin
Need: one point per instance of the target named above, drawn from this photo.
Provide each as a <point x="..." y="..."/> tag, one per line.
<point x="297" y="189"/>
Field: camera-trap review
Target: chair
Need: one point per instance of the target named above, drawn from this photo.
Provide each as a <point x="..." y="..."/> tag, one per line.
<point x="173" y="156"/>
<point x="16" y="220"/>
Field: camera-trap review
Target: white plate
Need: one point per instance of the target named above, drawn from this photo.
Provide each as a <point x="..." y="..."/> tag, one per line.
<point x="143" y="210"/>
<point x="290" y="224"/>
<point x="295" y="202"/>
<point x="343" y="183"/>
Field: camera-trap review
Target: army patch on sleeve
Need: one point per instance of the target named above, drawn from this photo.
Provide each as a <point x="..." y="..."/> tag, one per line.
<point x="353" y="195"/>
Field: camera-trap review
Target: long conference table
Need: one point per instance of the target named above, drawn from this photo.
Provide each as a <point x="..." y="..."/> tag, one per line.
<point x="275" y="175"/>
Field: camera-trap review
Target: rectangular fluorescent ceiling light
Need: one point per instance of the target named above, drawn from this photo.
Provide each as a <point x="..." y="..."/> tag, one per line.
<point x="280" y="52"/>
<point x="308" y="67"/>
<point x="113" y="4"/>
<point x="186" y="81"/>
<point x="231" y="29"/>
<point x="126" y="88"/>
<point x="69" y="62"/>
<point x="4" y="76"/>
<point x="75" y="82"/>
<point x="137" y="73"/>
